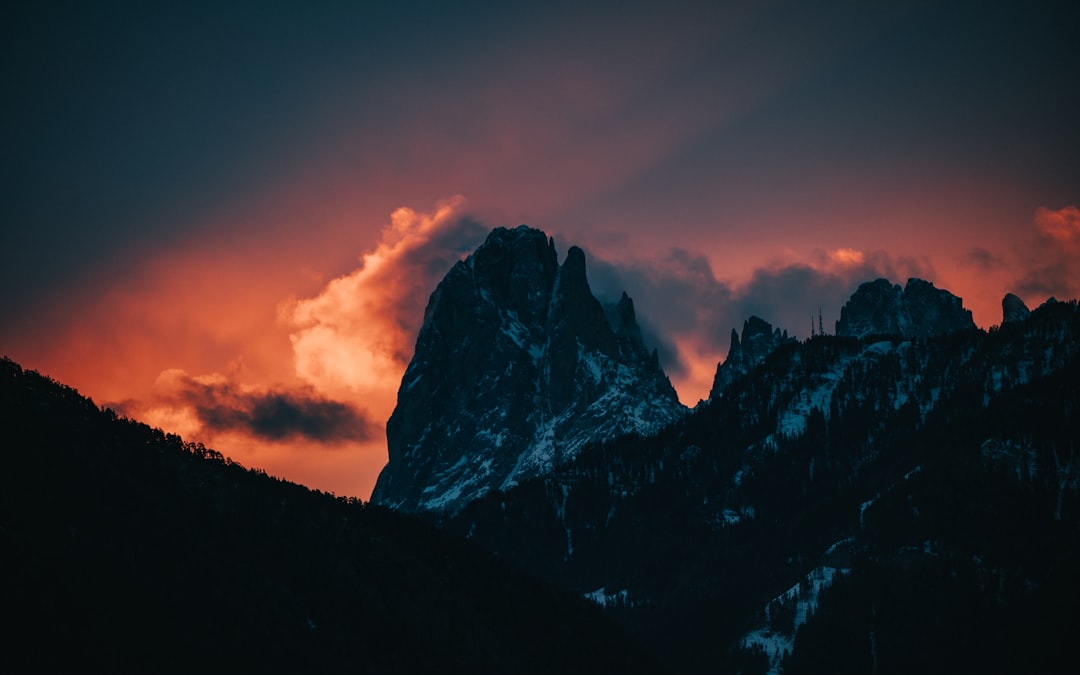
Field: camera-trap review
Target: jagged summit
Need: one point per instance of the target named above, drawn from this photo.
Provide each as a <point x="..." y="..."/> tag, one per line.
<point x="879" y="307"/>
<point x="624" y="322"/>
<point x="758" y="341"/>
<point x="1013" y="309"/>
<point x="919" y="310"/>
<point x="517" y="366"/>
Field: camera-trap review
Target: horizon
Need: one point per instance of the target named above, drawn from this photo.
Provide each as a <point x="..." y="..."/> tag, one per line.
<point x="338" y="421"/>
<point x="210" y="215"/>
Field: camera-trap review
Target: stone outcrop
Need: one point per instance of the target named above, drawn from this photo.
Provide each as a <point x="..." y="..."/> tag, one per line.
<point x="517" y="366"/>
<point x="918" y="310"/>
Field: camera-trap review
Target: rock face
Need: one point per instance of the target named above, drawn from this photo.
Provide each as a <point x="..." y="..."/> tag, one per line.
<point x="758" y="341"/>
<point x="1013" y="309"/>
<point x="917" y="311"/>
<point x="517" y="366"/>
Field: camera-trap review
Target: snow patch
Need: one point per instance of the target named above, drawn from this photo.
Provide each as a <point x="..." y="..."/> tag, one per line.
<point x="615" y="598"/>
<point x="413" y="382"/>
<point x="801" y="601"/>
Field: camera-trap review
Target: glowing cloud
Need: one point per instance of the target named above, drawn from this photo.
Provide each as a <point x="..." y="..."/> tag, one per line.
<point x="1050" y="263"/>
<point x="356" y="336"/>
<point x="846" y="256"/>
<point x="1062" y="224"/>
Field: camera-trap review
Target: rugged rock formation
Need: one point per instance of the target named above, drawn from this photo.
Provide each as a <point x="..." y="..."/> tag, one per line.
<point x="919" y="310"/>
<point x="517" y="366"/>
<point x="1013" y="309"/>
<point x="758" y="341"/>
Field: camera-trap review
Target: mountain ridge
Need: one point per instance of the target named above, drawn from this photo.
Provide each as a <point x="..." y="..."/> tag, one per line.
<point x="842" y="505"/>
<point x="917" y="310"/>
<point x="811" y="470"/>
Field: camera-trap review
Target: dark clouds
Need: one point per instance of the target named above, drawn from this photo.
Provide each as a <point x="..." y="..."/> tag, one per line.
<point x="353" y="340"/>
<point x="790" y="296"/>
<point x="272" y="414"/>
<point x="983" y="260"/>
<point x="674" y="295"/>
<point x="687" y="313"/>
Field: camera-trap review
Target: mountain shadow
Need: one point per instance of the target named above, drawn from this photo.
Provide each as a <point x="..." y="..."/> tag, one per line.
<point x="125" y="549"/>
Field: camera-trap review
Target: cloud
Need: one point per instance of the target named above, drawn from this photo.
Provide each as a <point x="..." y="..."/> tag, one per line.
<point x="1055" y="277"/>
<point x="354" y="339"/>
<point x="675" y="295"/>
<point x="213" y="404"/>
<point x="846" y="257"/>
<point x="1051" y="262"/>
<point x="356" y="336"/>
<point x="983" y="260"/>
<point x="679" y="291"/>
<point x="1062" y="225"/>
<point x="687" y="313"/>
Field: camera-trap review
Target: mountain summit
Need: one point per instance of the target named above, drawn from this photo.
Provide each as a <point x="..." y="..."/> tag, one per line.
<point x="758" y="341"/>
<point x="1013" y="309"/>
<point x="517" y="366"/>
<point x="919" y="310"/>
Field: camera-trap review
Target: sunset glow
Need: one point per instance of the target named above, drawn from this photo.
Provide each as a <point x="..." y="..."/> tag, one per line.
<point x="240" y="248"/>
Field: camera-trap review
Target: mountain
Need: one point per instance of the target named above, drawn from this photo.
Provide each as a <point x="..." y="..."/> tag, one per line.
<point x="877" y="504"/>
<point x="1013" y="309"/>
<point x="517" y="367"/>
<point x="918" y="310"/>
<point x="758" y="341"/>
<point x="125" y="549"/>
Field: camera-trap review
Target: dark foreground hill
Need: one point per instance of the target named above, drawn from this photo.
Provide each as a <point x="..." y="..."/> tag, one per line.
<point x="125" y="549"/>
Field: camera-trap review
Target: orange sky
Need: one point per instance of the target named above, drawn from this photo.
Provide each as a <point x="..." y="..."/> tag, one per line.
<point x="215" y="313"/>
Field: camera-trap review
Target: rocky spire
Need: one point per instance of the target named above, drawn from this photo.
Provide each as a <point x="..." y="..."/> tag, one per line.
<point x="1013" y="309"/>
<point x="624" y="323"/>
<point x="758" y="341"/>
<point x="516" y="367"/>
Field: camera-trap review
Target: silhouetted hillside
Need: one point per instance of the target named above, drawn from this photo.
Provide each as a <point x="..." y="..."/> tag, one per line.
<point x="128" y="550"/>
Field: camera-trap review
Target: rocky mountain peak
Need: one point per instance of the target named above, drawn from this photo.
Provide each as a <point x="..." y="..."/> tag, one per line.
<point x="516" y="269"/>
<point x="624" y="322"/>
<point x="516" y="367"/>
<point x="918" y="310"/>
<point x="1013" y="309"/>
<point x="573" y="268"/>
<point x="759" y="339"/>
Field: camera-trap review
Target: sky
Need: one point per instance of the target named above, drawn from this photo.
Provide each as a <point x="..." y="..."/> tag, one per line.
<point x="226" y="219"/>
